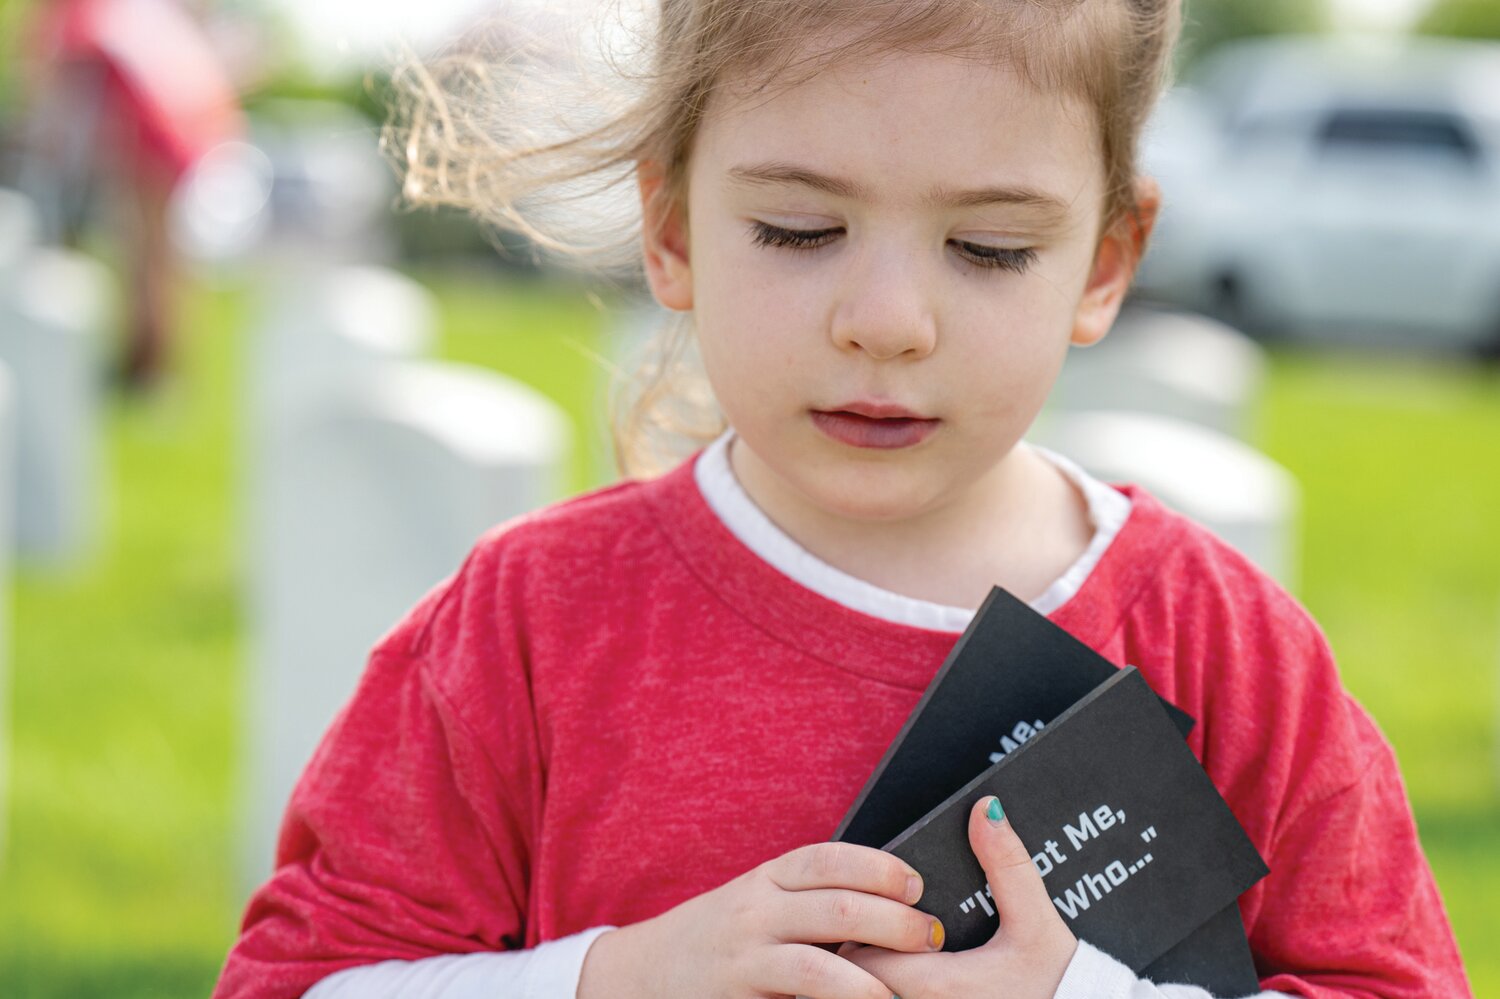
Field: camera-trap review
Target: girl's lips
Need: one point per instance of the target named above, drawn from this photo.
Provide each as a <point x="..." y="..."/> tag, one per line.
<point x="864" y="431"/>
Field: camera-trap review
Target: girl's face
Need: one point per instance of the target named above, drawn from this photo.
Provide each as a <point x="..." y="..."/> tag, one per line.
<point x="886" y="265"/>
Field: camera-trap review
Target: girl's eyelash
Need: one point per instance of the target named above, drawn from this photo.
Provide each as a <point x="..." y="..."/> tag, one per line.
<point x="997" y="257"/>
<point x="988" y="257"/>
<point x="797" y="239"/>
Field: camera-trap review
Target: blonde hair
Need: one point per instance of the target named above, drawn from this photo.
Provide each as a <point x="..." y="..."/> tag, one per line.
<point x="541" y="137"/>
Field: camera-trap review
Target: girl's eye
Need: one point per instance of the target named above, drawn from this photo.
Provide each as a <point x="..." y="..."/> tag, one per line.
<point x="988" y="257"/>
<point x="797" y="239"/>
<point x="997" y="257"/>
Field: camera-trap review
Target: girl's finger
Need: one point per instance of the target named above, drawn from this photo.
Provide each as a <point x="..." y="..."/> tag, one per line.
<point x="845" y="865"/>
<point x="836" y="915"/>
<point x="804" y="970"/>
<point x="1019" y="894"/>
<point x="926" y="975"/>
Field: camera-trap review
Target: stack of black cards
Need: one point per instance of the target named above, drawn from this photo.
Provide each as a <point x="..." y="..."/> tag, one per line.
<point x="1137" y="849"/>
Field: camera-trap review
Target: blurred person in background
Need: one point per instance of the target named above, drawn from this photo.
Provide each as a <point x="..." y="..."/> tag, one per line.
<point x="123" y="97"/>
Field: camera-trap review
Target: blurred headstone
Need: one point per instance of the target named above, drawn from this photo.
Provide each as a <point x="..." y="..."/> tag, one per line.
<point x="54" y="308"/>
<point x="20" y="228"/>
<point x="1174" y="364"/>
<point x="324" y="329"/>
<point x="376" y="474"/>
<point x="1229" y="487"/>
<point x="7" y="492"/>
<point x="327" y="326"/>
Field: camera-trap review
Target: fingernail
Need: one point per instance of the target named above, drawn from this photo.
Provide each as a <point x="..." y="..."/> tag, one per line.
<point x="936" y="938"/>
<point x="995" y="812"/>
<point x="913" y="889"/>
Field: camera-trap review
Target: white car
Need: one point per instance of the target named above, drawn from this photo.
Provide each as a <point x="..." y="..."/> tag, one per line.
<point x="1335" y="190"/>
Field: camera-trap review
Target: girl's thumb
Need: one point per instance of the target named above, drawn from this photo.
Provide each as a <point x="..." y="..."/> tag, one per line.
<point x="1019" y="895"/>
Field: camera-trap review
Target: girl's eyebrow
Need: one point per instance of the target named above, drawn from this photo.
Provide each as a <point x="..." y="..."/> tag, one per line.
<point x="785" y="173"/>
<point x="1050" y="207"/>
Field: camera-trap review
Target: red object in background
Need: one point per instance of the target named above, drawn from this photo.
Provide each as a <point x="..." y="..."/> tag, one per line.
<point x="131" y="93"/>
<point x="164" y="98"/>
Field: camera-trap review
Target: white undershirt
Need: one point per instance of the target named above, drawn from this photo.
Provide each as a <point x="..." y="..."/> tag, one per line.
<point x="552" y="969"/>
<point x="1108" y="509"/>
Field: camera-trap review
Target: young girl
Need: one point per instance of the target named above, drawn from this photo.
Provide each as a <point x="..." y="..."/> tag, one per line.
<point x="604" y="758"/>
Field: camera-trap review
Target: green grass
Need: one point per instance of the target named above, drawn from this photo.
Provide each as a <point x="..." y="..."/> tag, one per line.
<point x="125" y="670"/>
<point x="123" y="704"/>
<point x="1400" y="466"/>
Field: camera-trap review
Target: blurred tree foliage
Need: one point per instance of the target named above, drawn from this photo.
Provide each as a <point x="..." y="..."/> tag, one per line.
<point x="1207" y="24"/>
<point x="1462" y="19"/>
<point x="13" y="14"/>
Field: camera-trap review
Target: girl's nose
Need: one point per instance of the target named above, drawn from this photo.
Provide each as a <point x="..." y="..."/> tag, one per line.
<point x="885" y="308"/>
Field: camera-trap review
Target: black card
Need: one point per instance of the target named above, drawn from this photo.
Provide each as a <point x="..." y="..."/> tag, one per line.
<point x="1012" y="655"/>
<point x="1216" y="957"/>
<point x="1010" y="673"/>
<point x="1135" y="845"/>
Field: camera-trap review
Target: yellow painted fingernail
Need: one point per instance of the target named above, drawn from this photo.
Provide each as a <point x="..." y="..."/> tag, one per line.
<point x="937" y="934"/>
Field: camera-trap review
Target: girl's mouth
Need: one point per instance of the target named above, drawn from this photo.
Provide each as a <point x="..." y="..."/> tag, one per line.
<point x="857" y="430"/>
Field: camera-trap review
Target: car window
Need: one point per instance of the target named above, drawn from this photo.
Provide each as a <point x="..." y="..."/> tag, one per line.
<point x="1399" y="131"/>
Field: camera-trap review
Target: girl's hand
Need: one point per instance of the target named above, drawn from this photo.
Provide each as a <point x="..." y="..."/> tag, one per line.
<point x="755" y="936"/>
<point x="1028" y="954"/>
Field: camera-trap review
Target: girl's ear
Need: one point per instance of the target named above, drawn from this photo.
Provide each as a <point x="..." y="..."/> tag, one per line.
<point x="664" y="240"/>
<point x="1115" y="262"/>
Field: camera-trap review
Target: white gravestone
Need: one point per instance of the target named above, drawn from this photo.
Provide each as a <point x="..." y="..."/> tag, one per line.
<point x="324" y="331"/>
<point x="322" y="328"/>
<point x="54" y="307"/>
<point x="1173" y="364"/>
<point x="20" y="228"/>
<point x="7" y="478"/>
<point x="1240" y="494"/>
<point x="380" y="487"/>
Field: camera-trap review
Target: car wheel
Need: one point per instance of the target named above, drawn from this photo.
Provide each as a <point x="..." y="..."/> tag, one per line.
<point x="1488" y="350"/>
<point x="1229" y="306"/>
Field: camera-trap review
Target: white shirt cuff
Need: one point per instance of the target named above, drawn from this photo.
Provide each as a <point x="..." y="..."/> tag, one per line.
<point x="1093" y="974"/>
<point x="548" y="971"/>
<point x="557" y="965"/>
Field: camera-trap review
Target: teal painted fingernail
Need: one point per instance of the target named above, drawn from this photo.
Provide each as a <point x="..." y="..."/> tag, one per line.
<point x="995" y="812"/>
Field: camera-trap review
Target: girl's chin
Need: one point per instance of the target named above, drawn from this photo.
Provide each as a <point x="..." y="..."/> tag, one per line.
<point x="874" y="492"/>
<point x="881" y="503"/>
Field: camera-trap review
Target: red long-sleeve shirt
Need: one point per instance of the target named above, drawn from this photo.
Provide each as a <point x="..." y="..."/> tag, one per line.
<point x="614" y="706"/>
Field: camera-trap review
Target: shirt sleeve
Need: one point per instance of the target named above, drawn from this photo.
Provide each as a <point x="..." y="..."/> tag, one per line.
<point x="548" y="971"/>
<point x="1352" y="912"/>
<point x="1093" y="974"/>
<point x="1351" y="907"/>
<point x="408" y="834"/>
